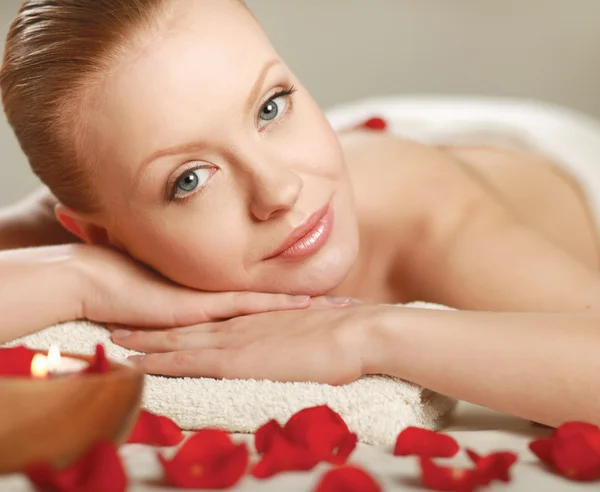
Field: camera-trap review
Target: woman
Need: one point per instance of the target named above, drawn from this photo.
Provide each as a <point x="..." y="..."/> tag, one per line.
<point x="199" y="154"/>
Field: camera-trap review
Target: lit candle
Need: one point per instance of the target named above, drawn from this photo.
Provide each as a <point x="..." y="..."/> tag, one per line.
<point x="55" y="365"/>
<point x="39" y="366"/>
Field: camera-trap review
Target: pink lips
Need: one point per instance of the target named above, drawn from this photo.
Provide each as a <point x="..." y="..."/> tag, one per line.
<point x="308" y="238"/>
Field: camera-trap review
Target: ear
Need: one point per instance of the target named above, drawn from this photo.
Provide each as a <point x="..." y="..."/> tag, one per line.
<point x="81" y="226"/>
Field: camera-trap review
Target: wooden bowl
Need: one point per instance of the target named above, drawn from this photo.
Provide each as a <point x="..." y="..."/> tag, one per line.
<point x="57" y="420"/>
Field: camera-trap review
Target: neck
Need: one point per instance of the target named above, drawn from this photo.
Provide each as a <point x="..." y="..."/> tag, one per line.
<point x="369" y="278"/>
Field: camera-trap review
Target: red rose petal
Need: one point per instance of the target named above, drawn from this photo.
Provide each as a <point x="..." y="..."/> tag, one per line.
<point x="575" y="458"/>
<point x="155" y="430"/>
<point x="377" y="124"/>
<point x="310" y="436"/>
<point x="16" y="361"/>
<point x="207" y="460"/>
<point x="591" y="433"/>
<point x="284" y="456"/>
<point x="569" y="429"/>
<point x="573" y="450"/>
<point x="347" y="479"/>
<point x="265" y="434"/>
<point x="344" y="449"/>
<point x="473" y="456"/>
<point x="494" y="466"/>
<point x="323" y="432"/>
<point x="443" y="478"/>
<point x="542" y="448"/>
<point x="99" y="364"/>
<point x="99" y="470"/>
<point x="593" y="440"/>
<point x="425" y="443"/>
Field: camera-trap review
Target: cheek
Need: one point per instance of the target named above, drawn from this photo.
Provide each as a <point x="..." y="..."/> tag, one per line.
<point x="317" y="142"/>
<point x="188" y="249"/>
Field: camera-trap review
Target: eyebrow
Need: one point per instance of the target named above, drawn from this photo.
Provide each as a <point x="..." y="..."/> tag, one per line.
<point x="255" y="92"/>
<point x="194" y="147"/>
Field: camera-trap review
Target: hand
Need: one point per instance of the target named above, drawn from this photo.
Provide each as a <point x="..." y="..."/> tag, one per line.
<point x="321" y="345"/>
<point x="116" y="289"/>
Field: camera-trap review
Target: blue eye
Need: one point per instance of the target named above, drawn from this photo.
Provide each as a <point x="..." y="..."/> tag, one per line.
<point x="190" y="182"/>
<point x="275" y="107"/>
<point x="272" y="110"/>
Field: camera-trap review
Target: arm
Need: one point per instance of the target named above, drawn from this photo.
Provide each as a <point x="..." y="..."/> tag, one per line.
<point x="38" y="288"/>
<point x="542" y="367"/>
<point x="43" y="286"/>
<point x="31" y="222"/>
<point x="533" y="362"/>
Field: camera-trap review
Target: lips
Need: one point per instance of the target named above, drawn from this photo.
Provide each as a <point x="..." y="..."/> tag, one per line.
<point x="308" y="238"/>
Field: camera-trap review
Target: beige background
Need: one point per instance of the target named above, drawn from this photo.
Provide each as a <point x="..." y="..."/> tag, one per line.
<point x="347" y="49"/>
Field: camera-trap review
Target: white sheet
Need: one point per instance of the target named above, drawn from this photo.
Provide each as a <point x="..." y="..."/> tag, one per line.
<point x="475" y="427"/>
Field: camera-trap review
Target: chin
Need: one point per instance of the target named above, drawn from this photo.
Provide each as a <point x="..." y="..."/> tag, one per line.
<point x="320" y="274"/>
<point x="315" y="284"/>
<point x="322" y="284"/>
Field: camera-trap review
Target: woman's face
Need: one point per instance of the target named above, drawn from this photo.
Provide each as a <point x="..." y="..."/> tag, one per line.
<point x="212" y="154"/>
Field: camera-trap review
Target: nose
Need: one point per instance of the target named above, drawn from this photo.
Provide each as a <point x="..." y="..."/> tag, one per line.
<point x="276" y="190"/>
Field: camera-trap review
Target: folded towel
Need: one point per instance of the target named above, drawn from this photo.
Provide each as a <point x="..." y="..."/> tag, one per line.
<point x="376" y="408"/>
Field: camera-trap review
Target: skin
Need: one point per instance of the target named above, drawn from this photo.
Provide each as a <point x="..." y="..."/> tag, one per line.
<point x="262" y="179"/>
<point x="478" y="229"/>
<point x="89" y="282"/>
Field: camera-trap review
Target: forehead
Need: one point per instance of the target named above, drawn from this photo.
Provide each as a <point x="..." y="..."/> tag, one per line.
<point x="201" y="62"/>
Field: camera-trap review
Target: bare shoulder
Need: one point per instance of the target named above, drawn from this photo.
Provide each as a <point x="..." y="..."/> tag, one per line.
<point x="411" y="183"/>
<point x="423" y="197"/>
<point x="541" y="193"/>
<point x="411" y="197"/>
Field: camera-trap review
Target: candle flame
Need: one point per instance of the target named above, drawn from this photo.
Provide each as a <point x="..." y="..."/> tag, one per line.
<point x="42" y="365"/>
<point x="53" y="358"/>
<point x="39" y="366"/>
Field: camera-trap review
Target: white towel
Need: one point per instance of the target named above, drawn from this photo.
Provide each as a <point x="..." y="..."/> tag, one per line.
<point x="376" y="408"/>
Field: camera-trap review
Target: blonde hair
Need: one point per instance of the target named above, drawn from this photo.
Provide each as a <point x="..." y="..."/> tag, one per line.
<point x="55" y="51"/>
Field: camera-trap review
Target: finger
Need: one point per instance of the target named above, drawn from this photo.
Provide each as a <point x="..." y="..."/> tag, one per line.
<point x="225" y="305"/>
<point x="333" y="302"/>
<point x="207" y="327"/>
<point x="208" y="363"/>
<point x="221" y="364"/>
<point x="112" y="327"/>
<point x="167" y="341"/>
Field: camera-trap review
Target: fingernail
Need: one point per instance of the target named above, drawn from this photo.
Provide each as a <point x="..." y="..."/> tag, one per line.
<point x="120" y="334"/>
<point x="136" y="359"/>
<point x="300" y="299"/>
<point x="339" y="301"/>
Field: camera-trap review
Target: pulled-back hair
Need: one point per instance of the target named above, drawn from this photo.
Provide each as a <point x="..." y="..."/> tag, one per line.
<point x="56" y="53"/>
